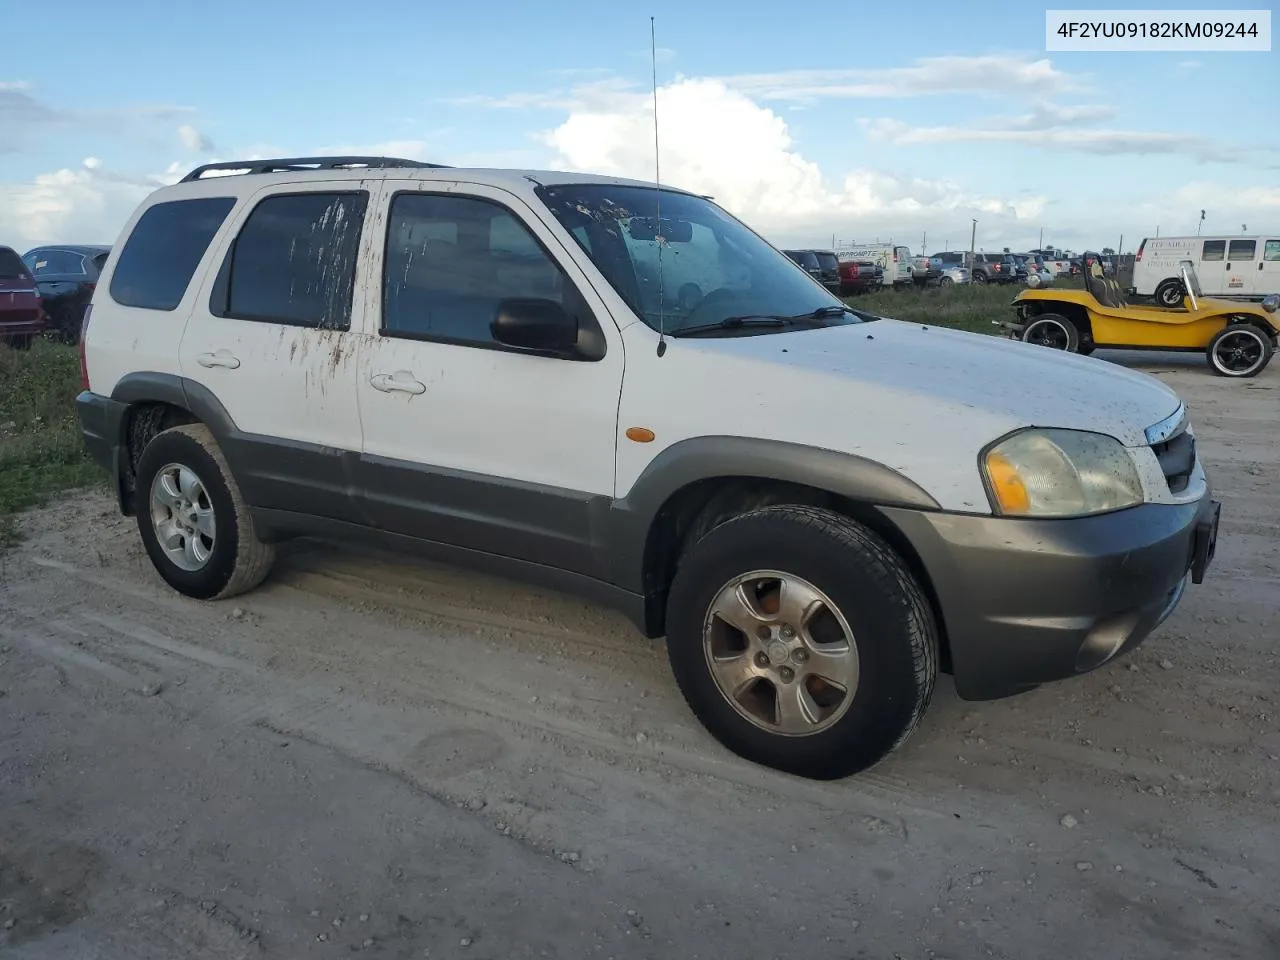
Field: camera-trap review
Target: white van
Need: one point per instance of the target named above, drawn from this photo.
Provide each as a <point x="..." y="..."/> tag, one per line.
<point x="895" y="259"/>
<point x="1244" y="267"/>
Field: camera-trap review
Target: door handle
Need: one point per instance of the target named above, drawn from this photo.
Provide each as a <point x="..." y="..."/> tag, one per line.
<point x="221" y="358"/>
<point x="401" y="381"/>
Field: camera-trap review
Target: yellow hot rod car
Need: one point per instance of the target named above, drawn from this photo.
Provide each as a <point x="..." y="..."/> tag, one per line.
<point x="1238" y="338"/>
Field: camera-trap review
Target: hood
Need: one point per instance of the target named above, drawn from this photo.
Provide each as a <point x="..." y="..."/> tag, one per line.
<point x="1005" y="383"/>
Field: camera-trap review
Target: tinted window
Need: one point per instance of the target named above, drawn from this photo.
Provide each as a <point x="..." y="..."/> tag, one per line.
<point x="163" y="251"/>
<point x="451" y="259"/>
<point x="294" y="261"/>
<point x="1271" y="251"/>
<point x="1242" y="250"/>
<point x="1214" y="250"/>
<point x="45" y="263"/>
<point x="828" y="261"/>
<point x="11" y="264"/>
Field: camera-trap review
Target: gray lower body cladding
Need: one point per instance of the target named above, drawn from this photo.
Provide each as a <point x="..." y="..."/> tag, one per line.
<point x="1023" y="602"/>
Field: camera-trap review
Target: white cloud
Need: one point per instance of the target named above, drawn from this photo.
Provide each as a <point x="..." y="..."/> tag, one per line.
<point x="91" y="163"/>
<point x="194" y="140"/>
<point x="15" y="85"/>
<point x="994" y="75"/>
<point x="717" y="140"/>
<point x="88" y="205"/>
<point x="1050" y="135"/>
<point x="935" y="76"/>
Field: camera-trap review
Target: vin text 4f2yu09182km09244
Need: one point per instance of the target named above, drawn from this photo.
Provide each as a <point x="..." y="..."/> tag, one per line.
<point x="619" y="390"/>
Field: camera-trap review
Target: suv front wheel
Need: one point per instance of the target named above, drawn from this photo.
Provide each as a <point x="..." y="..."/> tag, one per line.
<point x="194" y="524"/>
<point x="801" y="641"/>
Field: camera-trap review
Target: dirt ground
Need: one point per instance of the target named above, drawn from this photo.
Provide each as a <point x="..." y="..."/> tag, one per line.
<point x="394" y="759"/>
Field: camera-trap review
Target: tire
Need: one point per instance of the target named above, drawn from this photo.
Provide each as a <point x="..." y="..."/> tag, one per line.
<point x="945" y="281"/>
<point x="1170" y="293"/>
<point x="231" y="561"/>
<point x="1052" y="330"/>
<point x="866" y="595"/>
<point x="979" y="278"/>
<point x="1240" y="350"/>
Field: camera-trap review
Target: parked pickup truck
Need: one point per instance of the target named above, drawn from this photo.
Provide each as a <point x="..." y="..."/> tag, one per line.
<point x="925" y="270"/>
<point x="860" y="276"/>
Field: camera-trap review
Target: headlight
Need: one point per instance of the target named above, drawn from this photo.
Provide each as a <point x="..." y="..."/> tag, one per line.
<point x="1270" y="303"/>
<point x="1060" y="473"/>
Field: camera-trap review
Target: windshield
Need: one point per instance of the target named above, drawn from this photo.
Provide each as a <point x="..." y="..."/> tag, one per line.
<point x="712" y="266"/>
<point x="828" y="261"/>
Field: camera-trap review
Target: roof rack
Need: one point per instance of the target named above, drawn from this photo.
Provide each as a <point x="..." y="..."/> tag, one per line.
<point x="300" y="164"/>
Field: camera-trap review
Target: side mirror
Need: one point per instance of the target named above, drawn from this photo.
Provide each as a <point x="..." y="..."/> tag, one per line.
<point x="535" y="324"/>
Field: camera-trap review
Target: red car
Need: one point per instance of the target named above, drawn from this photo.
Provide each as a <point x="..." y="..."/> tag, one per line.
<point x="21" y="310"/>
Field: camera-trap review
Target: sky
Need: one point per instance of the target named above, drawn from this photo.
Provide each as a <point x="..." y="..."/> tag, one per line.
<point x="902" y="122"/>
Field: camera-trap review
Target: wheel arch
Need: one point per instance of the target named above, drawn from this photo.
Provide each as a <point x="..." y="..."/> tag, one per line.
<point x="155" y="402"/>
<point x="687" y="492"/>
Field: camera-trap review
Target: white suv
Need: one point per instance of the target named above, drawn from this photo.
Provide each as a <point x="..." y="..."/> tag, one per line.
<point x="623" y="391"/>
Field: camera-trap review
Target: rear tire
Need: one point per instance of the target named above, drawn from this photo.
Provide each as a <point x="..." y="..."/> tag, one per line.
<point x="945" y="282"/>
<point x="845" y="616"/>
<point x="194" y="524"/>
<point x="1240" y="350"/>
<point x="979" y="278"/>
<point x="1052" y="330"/>
<point x="1170" y="293"/>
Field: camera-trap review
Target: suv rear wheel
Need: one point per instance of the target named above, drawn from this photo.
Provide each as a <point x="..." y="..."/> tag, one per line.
<point x="194" y="524"/>
<point x="801" y="641"/>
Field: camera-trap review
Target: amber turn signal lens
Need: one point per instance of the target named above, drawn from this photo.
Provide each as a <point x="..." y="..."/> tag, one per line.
<point x="640" y="434"/>
<point x="1011" y="493"/>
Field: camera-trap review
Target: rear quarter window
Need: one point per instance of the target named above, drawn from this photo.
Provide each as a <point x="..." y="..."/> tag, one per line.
<point x="161" y="255"/>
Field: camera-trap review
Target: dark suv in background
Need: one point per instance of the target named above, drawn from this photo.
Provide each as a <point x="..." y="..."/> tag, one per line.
<point x="821" y="264"/>
<point x="66" y="275"/>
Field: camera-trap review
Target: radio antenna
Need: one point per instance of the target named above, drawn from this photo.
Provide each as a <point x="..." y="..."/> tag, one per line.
<point x="657" y="183"/>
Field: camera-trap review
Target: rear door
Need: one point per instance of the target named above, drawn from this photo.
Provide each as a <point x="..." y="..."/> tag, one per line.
<point x="1211" y="270"/>
<point x="1242" y="268"/>
<point x="1268" y="272"/>
<point x="273" y="336"/>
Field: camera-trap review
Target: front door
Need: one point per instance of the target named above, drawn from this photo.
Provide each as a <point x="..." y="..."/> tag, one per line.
<point x="1242" y="269"/>
<point x="270" y="337"/>
<point x="1268" y="272"/>
<point x="469" y="442"/>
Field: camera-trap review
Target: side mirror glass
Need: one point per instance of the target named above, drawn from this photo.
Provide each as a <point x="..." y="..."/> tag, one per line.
<point x="535" y="324"/>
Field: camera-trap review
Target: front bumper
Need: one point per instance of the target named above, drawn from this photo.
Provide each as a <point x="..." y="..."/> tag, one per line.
<point x="1027" y="602"/>
<point x="28" y="326"/>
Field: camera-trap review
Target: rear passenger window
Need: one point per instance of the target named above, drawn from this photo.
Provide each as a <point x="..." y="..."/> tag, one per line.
<point x="163" y="251"/>
<point x="450" y="259"/>
<point x="1214" y="250"/>
<point x="294" y="262"/>
<point x="1242" y="249"/>
<point x="1271" y="252"/>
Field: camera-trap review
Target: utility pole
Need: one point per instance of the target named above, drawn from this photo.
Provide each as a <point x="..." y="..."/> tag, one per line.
<point x="1120" y="249"/>
<point x="924" y="242"/>
<point x="973" y="236"/>
<point x="1042" y="238"/>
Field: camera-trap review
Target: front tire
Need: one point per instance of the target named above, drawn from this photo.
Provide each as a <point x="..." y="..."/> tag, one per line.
<point x="1052" y="330"/>
<point x="1240" y="350"/>
<point x="194" y="524"/>
<point x="1170" y="293"/>
<point x="801" y="641"/>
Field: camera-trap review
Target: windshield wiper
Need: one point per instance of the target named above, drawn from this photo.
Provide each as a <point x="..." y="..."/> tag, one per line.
<point x="761" y="320"/>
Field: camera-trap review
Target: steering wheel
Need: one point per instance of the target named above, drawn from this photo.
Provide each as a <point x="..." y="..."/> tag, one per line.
<point x="711" y="299"/>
